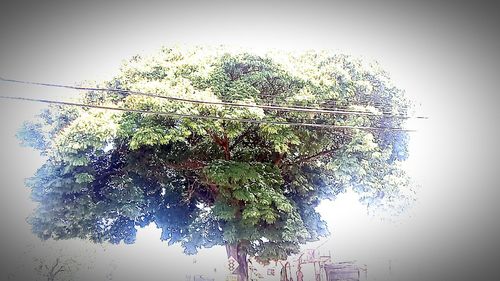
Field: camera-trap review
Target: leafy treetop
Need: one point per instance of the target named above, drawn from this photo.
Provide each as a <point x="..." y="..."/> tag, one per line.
<point x="214" y="182"/>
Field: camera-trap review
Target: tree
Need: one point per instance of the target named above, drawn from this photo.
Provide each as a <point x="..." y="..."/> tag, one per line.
<point x="252" y="187"/>
<point x="53" y="270"/>
<point x="55" y="261"/>
<point x="42" y="263"/>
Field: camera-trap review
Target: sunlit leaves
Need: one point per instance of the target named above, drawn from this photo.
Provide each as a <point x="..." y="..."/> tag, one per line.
<point x="83" y="178"/>
<point x="85" y="136"/>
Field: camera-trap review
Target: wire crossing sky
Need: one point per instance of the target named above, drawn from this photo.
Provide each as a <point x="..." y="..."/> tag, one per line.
<point x="172" y="114"/>
<point x="280" y="108"/>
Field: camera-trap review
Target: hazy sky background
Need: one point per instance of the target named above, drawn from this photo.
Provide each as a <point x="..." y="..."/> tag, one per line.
<point x="445" y="55"/>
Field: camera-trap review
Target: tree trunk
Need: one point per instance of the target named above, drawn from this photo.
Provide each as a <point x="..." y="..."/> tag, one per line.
<point x="240" y="255"/>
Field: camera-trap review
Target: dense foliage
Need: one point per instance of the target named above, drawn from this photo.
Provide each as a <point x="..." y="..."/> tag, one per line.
<point x="214" y="182"/>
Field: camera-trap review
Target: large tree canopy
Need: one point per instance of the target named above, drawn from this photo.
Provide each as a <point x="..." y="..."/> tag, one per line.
<point x="250" y="186"/>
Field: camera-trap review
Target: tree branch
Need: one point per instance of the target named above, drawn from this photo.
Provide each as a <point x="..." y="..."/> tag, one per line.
<point x="61" y="269"/>
<point x="279" y="157"/>
<point x="227" y="152"/>
<point x="222" y="142"/>
<point x="301" y="160"/>
<point x="54" y="266"/>
<point x="240" y="138"/>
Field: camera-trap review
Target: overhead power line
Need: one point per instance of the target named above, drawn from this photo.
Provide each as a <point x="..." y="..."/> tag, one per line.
<point x="275" y="107"/>
<point x="346" y="109"/>
<point x="179" y="115"/>
<point x="378" y="105"/>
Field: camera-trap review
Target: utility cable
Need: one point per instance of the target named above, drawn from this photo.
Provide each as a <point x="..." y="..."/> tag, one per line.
<point x="281" y="108"/>
<point x="179" y="115"/>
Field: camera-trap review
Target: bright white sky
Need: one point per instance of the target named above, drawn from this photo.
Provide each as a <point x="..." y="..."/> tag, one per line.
<point x="427" y="50"/>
